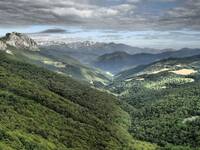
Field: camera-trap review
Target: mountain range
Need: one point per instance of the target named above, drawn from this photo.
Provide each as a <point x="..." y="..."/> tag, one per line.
<point x="120" y="61"/>
<point x="113" y="57"/>
<point x="41" y="109"/>
<point x="24" y="48"/>
<point x="49" y="100"/>
<point x="87" y="52"/>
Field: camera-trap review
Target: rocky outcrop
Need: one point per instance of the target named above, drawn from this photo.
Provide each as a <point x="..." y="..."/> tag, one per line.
<point x="19" y="41"/>
<point x="3" y="46"/>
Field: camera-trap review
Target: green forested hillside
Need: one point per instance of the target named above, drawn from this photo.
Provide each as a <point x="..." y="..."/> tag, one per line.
<point x="62" y="64"/>
<point x="42" y="110"/>
<point x="24" y="48"/>
<point x="163" y="100"/>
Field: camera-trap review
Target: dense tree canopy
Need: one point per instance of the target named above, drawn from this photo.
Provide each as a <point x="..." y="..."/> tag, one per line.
<point x="40" y="109"/>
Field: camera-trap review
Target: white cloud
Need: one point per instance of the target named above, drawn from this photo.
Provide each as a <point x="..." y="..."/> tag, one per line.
<point x="133" y="1"/>
<point x="73" y="11"/>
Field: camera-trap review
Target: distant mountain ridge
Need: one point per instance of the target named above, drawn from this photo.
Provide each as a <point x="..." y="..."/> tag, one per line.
<point x="116" y="62"/>
<point x="87" y="51"/>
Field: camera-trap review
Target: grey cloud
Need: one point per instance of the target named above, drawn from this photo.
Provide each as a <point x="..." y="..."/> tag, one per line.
<point x="186" y="15"/>
<point x="107" y="14"/>
<point x="55" y="30"/>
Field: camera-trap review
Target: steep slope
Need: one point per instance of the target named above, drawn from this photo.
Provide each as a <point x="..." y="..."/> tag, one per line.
<point x="163" y="101"/>
<point x="22" y="47"/>
<point x="44" y="110"/>
<point x="116" y="62"/>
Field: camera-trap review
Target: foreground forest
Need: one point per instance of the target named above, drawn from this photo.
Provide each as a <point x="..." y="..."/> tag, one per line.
<point x="163" y="101"/>
<point x="44" y="110"/>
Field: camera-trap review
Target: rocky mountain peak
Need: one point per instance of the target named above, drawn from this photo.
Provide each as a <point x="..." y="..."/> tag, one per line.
<point x="18" y="40"/>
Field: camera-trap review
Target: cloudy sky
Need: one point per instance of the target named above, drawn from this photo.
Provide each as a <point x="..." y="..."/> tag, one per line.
<point x="144" y="23"/>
